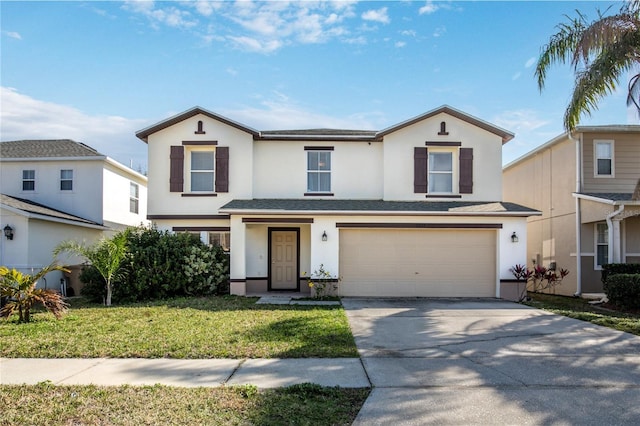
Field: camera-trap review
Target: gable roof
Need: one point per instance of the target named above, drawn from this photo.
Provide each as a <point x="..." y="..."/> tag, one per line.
<point x="504" y="134"/>
<point x="46" y="148"/>
<point x="145" y="133"/>
<point x="325" y="134"/>
<point x="40" y="211"/>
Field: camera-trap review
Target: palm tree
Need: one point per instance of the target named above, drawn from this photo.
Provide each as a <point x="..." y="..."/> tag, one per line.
<point x="600" y="52"/>
<point x="106" y="256"/>
<point x="21" y="293"/>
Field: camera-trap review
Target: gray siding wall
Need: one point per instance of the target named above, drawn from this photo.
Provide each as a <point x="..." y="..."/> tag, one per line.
<point x="626" y="163"/>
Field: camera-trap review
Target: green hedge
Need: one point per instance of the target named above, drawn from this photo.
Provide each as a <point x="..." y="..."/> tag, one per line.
<point x="623" y="290"/>
<point x="619" y="268"/>
<point x="161" y="265"/>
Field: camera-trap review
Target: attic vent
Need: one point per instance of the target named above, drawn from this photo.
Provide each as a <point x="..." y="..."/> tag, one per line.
<point x="200" y="130"/>
<point x="443" y="129"/>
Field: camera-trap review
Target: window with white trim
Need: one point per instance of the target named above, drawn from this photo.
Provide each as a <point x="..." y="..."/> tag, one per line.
<point x="319" y="171"/>
<point x="66" y="180"/>
<point x="202" y="171"/>
<point x="221" y="239"/>
<point x="134" y="197"/>
<point x="603" y="158"/>
<point x="440" y="169"/>
<point x="602" y="245"/>
<point x="28" y="180"/>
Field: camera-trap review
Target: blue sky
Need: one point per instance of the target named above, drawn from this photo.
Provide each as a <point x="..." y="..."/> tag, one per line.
<point x="98" y="71"/>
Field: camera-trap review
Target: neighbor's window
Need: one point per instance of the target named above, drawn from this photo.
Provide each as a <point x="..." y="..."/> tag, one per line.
<point x="28" y="180"/>
<point x="602" y="245"/>
<point x="202" y="163"/>
<point x="222" y="239"/>
<point x="66" y="180"/>
<point x="440" y="172"/>
<point x="318" y="171"/>
<point x="604" y="158"/>
<point x="134" y="197"/>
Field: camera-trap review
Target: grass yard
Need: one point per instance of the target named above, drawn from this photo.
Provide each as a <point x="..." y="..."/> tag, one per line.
<point x="580" y="309"/>
<point x="305" y="404"/>
<point x="216" y="327"/>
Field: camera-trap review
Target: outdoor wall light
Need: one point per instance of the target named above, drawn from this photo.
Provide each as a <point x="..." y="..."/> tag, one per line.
<point x="324" y="236"/>
<point x="514" y="237"/>
<point x="8" y="232"/>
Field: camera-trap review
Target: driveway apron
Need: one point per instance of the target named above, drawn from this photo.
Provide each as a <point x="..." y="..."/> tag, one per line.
<point x="486" y="361"/>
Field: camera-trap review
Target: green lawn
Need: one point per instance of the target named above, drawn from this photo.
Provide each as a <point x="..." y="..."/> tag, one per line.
<point x="306" y="404"/>
<point x="578" y="308"/>
<point x="215" y="327"/>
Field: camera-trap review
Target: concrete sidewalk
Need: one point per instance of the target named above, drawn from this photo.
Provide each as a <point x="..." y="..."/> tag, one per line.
<point x="264" y="373"/>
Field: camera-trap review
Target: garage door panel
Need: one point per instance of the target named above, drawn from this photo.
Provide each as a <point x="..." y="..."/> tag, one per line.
<point x="418" y="263"/>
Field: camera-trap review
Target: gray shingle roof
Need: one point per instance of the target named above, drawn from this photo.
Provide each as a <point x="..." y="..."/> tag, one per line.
<point x="46" y="148"/>
<point x="37" y="208"/>
<point x="613" y="196"/>
<point x="302" y="205"/>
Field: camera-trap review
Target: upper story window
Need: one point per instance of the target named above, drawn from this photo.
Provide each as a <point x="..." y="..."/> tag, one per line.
<point x="319" y="171"/>
<point x="134" y="197"/>
<point x="440" y="178"/>
<point x="602" y="245"/>
<point x="66" y="180"/>
<point x="28" y="180"/>
<point x="443" y="170"/>
<point x="202" y="171"/>
<point x="603" y="162"/>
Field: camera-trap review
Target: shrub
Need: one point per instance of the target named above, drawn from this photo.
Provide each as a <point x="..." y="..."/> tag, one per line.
<point x="623" y="290"/>
<point x="95" y="287"/>
<point x="619" y="268"/>
<point x="160" y="265"/>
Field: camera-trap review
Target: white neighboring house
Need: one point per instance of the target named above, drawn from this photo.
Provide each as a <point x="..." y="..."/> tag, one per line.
<point x="412" y="210"/>
<point x="55" y="190"/>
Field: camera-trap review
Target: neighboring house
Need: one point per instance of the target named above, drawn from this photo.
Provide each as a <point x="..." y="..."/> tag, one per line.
<point x="412" y="210"/>
<point x="586" y="186"/>
<point x="54" y="190"/>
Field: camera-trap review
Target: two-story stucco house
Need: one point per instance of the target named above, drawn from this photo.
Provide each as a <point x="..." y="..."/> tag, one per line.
<point x="53" y="190"/>
<point x="586" y="186"/>
<point x="412" y="210"/>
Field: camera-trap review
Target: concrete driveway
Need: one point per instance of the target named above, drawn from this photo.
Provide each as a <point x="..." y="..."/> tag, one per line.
<point x="462" y="362"/>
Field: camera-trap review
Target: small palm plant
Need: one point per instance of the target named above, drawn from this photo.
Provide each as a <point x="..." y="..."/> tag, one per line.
<point x="21" y="293"/>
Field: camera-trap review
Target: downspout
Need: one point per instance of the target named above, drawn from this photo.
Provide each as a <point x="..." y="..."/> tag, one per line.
<point x="578" y="215"/>
<point x="610" y="232"/>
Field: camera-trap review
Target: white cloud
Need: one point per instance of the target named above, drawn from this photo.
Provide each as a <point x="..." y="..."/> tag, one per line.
<point x="171" y="16"/>
<point x="400" y="44"/>
<point x="380" y="15"/>
<point x="279" y="112"/>
<point x="440" y="31"/>
<point x="516" y="76"/>
<point x="13" y="34"/>
<point x="522" y="120"/>
<point x="428" y="8"/>
<point x="255" y="45"/>
<point x="408" y="33"/>
<point x="23" y="117"/>
<point x="530" y="62"/>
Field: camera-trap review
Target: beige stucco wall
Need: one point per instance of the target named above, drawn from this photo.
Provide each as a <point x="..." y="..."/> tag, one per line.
<point x="398" y="158"/>
<point x="280" y="169"/>
<point x="546" y="182"/>
<point x="162" y="201"/>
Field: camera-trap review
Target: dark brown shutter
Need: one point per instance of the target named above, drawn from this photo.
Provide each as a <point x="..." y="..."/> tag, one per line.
<point x="420" y="170"/>
<point x="466" y="170"/>
<point x="222" y="169"/>
<point x="176" y="173"/>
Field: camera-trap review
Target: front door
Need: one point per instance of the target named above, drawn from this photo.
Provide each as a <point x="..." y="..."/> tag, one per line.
<point x="283" y="259"/>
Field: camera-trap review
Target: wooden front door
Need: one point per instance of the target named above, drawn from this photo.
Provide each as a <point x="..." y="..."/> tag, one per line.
<point x="284" y="259"/>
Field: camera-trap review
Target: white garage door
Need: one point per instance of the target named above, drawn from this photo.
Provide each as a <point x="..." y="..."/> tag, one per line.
<point x="418" y="263"/>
